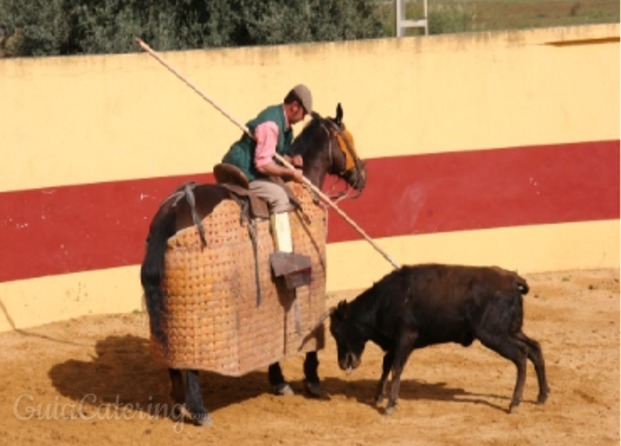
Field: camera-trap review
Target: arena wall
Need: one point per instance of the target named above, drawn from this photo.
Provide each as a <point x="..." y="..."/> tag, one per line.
<point x="483" y="148"/>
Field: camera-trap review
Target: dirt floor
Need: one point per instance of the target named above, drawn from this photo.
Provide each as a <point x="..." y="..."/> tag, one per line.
<point x="92" y="381"/>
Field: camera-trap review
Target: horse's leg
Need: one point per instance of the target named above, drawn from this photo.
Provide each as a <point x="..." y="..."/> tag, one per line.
<point x="176" y="393"/>
<point x="277" y="381"/>
<point x="311" y="377"/>
<point x="194" y="401"/>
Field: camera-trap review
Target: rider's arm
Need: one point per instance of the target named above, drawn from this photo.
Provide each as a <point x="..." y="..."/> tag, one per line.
<point x="266" y="135"/>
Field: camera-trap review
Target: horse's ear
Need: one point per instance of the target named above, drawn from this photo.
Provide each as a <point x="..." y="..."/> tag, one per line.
<point x="339" y="114"/>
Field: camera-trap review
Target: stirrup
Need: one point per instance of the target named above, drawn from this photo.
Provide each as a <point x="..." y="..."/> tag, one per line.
<point x="294" y="268"/>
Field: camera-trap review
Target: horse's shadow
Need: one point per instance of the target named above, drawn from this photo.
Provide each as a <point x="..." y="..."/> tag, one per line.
<point x="123" y="373"/>
<point x="363" y="391"/>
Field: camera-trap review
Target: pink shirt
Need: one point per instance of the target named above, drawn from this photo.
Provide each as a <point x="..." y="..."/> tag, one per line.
<point x="266" y="135"/>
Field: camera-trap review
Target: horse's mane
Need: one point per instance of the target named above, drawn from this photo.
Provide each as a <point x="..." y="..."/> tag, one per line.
<point x="310" y="138"/>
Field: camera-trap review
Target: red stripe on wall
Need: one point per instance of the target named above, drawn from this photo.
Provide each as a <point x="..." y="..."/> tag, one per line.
<point x="79" y="228"/>
<point x="69" y="229"/>
<point x="486" y="189"/>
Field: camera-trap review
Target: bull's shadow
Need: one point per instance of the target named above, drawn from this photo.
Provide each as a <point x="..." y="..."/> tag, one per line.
<point x="123" y="372"/>
<point x="363" y="391"/>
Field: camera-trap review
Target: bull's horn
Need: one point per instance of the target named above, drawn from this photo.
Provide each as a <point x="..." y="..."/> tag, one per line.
<point x="323" y="317"/>
<point x="310" y="334"/>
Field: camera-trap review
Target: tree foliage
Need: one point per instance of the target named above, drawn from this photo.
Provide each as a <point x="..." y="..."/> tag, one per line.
<point x="63" y="27"/>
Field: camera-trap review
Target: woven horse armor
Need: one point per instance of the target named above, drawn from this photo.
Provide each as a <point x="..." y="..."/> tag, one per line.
<point x="213" y="319"/>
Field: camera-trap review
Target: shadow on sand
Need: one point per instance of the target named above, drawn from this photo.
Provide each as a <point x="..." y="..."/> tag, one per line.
<point x="123" y="373"/>
<point x="363" y="391"/>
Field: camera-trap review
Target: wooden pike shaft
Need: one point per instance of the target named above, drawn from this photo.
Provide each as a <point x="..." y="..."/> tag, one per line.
<point x="306" y="181"/>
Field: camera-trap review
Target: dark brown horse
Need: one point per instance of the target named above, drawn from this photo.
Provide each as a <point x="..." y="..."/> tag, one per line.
<point x="326" y="148"/>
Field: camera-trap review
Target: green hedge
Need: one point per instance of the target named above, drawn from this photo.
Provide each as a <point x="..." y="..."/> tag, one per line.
<point x="62" y="27"/>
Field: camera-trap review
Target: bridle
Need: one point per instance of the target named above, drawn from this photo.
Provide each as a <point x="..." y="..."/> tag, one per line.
<point x="344" y="141"/>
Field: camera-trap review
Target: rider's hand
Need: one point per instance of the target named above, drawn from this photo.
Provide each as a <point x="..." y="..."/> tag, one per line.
<point x="298" y="175"/>
<point x="297" y="161"/>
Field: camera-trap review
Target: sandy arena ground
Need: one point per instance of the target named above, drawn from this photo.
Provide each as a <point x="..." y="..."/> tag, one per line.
<point x="92" y="381"/>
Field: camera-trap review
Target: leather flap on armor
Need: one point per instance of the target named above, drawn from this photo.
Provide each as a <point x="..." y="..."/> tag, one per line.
<point x="226" y="173"/>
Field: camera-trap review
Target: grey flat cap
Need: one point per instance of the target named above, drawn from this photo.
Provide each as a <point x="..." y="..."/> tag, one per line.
<point x="305" y="96"/>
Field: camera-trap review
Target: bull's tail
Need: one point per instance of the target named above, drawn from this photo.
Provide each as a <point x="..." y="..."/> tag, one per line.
<point x="152" y="271"/>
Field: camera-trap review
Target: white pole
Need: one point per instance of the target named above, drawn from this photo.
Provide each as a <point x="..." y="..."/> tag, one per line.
<point x="306" y="181"/>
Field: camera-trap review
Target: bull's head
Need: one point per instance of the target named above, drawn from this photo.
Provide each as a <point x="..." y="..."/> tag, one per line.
<point x="349" y="337"/>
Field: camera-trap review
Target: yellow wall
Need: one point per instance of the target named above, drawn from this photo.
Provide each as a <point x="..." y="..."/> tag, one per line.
<point x="78" y="120"/>
<point x="125" y="116"/>
<point x="351" y="265"/>
<point x="526" y="249"/>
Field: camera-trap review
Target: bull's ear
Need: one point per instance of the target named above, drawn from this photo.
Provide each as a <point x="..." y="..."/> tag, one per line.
<point x="342" y="310"/>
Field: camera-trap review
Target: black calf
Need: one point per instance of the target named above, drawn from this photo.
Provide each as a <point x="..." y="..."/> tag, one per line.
<point x="417" y="306"/>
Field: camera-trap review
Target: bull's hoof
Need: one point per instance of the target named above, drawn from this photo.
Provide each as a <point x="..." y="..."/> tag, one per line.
<point x="513" y="406"/>
<point x="313" y="389"/>
<point x="283" y="389"/>
<point x="542" y="397"/>
<point x="389" y="410"/>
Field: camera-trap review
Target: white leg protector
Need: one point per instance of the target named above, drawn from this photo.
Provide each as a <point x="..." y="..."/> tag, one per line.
<point x="293" y="268"/>
<point x="282" y="232"/>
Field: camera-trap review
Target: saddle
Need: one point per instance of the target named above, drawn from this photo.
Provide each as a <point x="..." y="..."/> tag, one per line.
<point x="233" y="179"/>
<point x="293" y="268"/>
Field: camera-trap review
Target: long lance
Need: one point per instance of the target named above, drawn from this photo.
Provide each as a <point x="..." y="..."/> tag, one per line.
<point x="305" y="180"/>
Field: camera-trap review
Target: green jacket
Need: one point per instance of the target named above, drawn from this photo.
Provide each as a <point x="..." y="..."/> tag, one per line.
<point x="241" y="153"/>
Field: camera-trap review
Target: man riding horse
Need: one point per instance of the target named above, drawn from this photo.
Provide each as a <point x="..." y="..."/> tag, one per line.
<point x="273" y="134"/>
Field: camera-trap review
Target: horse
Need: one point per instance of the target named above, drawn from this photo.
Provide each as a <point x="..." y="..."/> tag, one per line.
<point x="327" y="148"/>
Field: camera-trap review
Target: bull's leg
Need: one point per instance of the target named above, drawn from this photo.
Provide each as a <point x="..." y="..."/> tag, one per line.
<point x="277" y="381"/>
<point x="380" y="392"/>
<point x="404" y="347"/>
<point x="395" y="384"/>
<point x="513" y="350"/>
<point x="194" y="401"/>
<point x="311" y="377"/>
<point x="533" y="350"/>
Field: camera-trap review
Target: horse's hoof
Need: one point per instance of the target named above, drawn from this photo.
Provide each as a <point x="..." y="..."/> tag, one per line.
<point x="283" y="389"/>
<point x="313" y="389"/>
<point x="202" y="421"/>
<point x="180" y="413"/>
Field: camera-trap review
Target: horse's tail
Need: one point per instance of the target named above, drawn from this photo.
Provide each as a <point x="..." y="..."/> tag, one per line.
<point x="152" y="271"/>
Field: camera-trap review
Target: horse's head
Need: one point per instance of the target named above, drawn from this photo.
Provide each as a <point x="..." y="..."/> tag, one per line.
<point x="349" y="166"/>
<point x="328" y="147"/>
